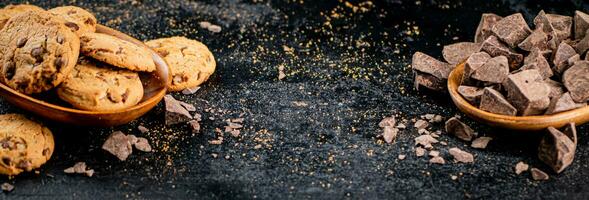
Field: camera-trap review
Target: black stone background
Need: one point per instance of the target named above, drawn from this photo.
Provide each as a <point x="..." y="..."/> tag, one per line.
<point x="326" y="150"/>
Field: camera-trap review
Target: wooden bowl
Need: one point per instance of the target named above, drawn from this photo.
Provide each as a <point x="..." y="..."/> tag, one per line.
<point x="522" y="123"/>
<point x="154" y="90"/>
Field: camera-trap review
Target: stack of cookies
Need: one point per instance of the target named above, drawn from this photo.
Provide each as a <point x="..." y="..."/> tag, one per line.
<point x="59" y="50"/>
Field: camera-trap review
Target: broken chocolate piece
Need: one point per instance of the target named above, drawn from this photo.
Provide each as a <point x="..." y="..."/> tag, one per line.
<point x="481" y="142"/>
<point x="390" y="134"/>
<point x="437" y="160"/>
<point x="175" y="112"/>
<point x="195" y="126"/>
<point x="487" y="22"/>
<point x="581" y="24"/>
<point x="556" y="88"/>
<point x="557" y="150"/>
<point x="495" y="48"/>
<point x="434" y="153"/>
<point x="512" y="29"/>
<point x="429" y="82"/>
<point x="527" y="92"/>
<point x="119" y="145"/>
<point x="388" y="121"/>
<point x="142" y="145"/>
<point x="461" y="156"/>
<point x="7" y="187"/>
<point x="142" y="129"/>
<point x="537" y="40"/>
<point x="429" y="65"/>
<point x="557" y="26"/>
<point x="521" y="167"/>
<point x="494" y="102"/>
<point x="576" y="81"/>
<point x="421" y="124"/>
<point x="536" y="60"/>
<point x="563" y="103"/>
<point x="426" y="141"/>
<point x="189" y="107"/>
<point x="561" y="57"/>
<point x="574" y="59"/>
<point x="473" y="63"/>
<point x="538" y="174"/>
<point x="471" y="94"/>
<point x="495" y="70"/>
<point x="419" y="151"/>
<point x="79" y="168"/>
<point x="570" y="130"/>
<point x="191" y="90"/>
<point x="459" y="129"/>
<point x="458" y="52"/>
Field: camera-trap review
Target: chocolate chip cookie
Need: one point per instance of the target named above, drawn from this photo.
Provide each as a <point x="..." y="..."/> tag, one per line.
<point x="11" y="10"/>
<point x="98" y="87"/>
<point x="117" y="52"/>
<point x="191" y="63"/>
<point x="24" y="144"/>
<point x="77" y="19"/>
<point x="37" y="52"/>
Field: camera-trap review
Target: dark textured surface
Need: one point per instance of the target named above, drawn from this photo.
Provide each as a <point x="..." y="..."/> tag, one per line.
<point x="350" y="70"/>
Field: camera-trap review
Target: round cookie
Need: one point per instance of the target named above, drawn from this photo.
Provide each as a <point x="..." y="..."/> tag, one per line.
<point x="37" y="52"/>
<point x="24" y="144"/>
<point x="77" y="19"/>
<point x="191" y="63"/>
<point x="117" y="52"/>
<point x="98" y="87"/>
<point x="11" y="10"/>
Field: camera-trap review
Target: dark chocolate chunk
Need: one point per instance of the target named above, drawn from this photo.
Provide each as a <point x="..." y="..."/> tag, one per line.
<point x="536" y="60"/>
<point x="474" y="62"/>
<point x="539" y="175"/>
<point x="471" y="94"/>
<point x="21" y="42"/>
<point x="7" y="187"/>
<point x="576" y="80"/>
<point x="556" y="88"/>
<point x="459" y="129"/>
<point x="429" y="65"/>
<point x="581" y="24"/>
<point x="527" y="92"/>
<point x="495" y="70"/>
<point x="494" y="102"/>
<point x="142" y="145"/>
<point x="461" y="156"/>
<point x="495" y="48"/>
<point x="487" y="22"/>
<point x="429" y="82"/>
<point x="563" y="103"/>
<point x="557" y="26"/>
<point x="119" y="145"/>
<point x="175" y="112"/>
<point x="537" y="40"/>
<point x="458" y="52"/>
<point x="388" y="121"/>
<point x="512" y="29"/>
<point x="561" y="57"/>
<point x="557" y="150"/>
<point x="570" y="130"/>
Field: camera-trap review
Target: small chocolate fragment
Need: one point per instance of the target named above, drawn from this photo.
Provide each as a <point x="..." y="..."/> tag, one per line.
<point x="119" y="145"/>
<point x="142" y="145"/>
<point x="458" y="52"/>
<point x="538" y="175"/>
<point x="7" y="187"/>
<point x="387" y="121"/>
<point x="437" y="160"/>
<point x="527" y="92"/>
<point x="195" y="126"/>
<point x="459" y="129"/>
<point x="79" y="168"/>
<point x="583" y="44"/>
<point x="556" y="88"/>
<point x="561" y="57"/>
<point x="481" y="142"/>
<point x="175" y="112"/>
<point x="426" y="141"/>
<point x="473" y="63"/>
<point x="420" y="124"/>
<point x="570" y="130"/>
<point x="537" y="40"/>
<point x="581" y="24"/>
<point x="563" y="103"/>
<point x="495" y="70"/>
<point x="429" y="82"/>
<point x="187" y="106"/>
<point x="390" y="134"/>
<point x="191" y="90"/>
<point x="536" y="60"/>
<point x="419" y="151"/>
<point x="487" y="22"/>
<point x="471" y="94"/>
<point x="521" y="167"/>
<point x="494" y="102"/>
<point x="557" y="150"/>
<point x="576" y="81"/>
<point x="429" y="65"/>
<point x="461" y="156"/>
<point x="512" y="29"/>
<point x="495" y="48"/>
<point x="142" y="129"/>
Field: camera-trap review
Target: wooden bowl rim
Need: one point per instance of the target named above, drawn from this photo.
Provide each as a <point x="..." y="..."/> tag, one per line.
<point x="156" y="97"/>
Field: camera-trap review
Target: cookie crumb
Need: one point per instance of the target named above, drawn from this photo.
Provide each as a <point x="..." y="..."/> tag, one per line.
<point x="521" y="167"/>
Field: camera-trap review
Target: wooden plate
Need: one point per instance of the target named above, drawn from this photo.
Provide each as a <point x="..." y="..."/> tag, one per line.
<point x="524" y="123"/>
<point x="154" y="90"/>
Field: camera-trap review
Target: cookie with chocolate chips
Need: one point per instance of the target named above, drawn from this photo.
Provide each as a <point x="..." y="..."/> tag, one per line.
<point x="191" y="63"/>
<point x="37" y="52"/>
<point x="117" y="52"/>
<point x="99" y="87"/>
<point x="77" y="19"/>
<point x="24" y="144"/>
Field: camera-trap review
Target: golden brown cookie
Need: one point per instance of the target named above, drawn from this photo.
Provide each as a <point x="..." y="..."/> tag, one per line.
<point x="191" y="63"/>
<point x="24" y="144"/>
<point x="37" y="52"/>
<point x="77" y="19"/>
<point x="11" y="10"/>
<point x="117" y="52"/>
<point x="99" y="87"/>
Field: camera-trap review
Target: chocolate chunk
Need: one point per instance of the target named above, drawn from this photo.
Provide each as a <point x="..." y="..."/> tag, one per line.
<point x="527" y="92"/>
<point x="79" y="168"/>
<point x="419" y="151"/>
<point x="21" y="42"/>
<point x="574" y="59"/>
<point x="9" y="69"/>
<point x="189" y="107"/>
<point x="191" y="90"/>
<point x="494" y="102"/>
<point x="175" y="112"/>
<point x="557" y="150"/>
<point x="576" y="80"/>
<point x="537" y="40"/>
<point x="521" y="167"/>
<point x="570" y="130"/>
<point x="556" y="88"/>
<point x="581" y="24"/>
<point x="142" y="145"/>
<point x="387" y="121"/>
<point x="119" y="145"/>
<point x="471" y="94"/>
<point x="583" y="44"/>
<point x="426" y="141"/>
<point x="563" y="103"/>
<point x="437" y="160"/>
<point x="461" y="156"/>
<point x="429" y="65"/>
<point x="429" y="82"/>
<point x="538" y="174"/>
<point x="72" y="26"/>
<point x="458" y="52"/>
<point x="557" y="26"/>
<point x="495" y="48"/>
<point x="495" y="70"/>
<point x="195" y="126"/>
<point x="473" y="63"/>
<point x="512" y="29"/>
<point x="390" y="134"/>
<point x="7" y="187"/>
<point x="142" y="129"/>
<point x="487" y="22"/>
<point x="536" y="60"/>
<point x="459" y="129"/>
<point x="481" y="142"/>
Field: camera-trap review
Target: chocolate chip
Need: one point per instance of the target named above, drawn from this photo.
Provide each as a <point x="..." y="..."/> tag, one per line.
<point x="59" y="62"/>
<point x="428" y="81"/>
<point x="119" y="145"/>
<point x="72" y="26"/>
<point x="90" y="22"/>
<point x="46" y="151"/>
<point x="9" y="70"/>
<point x="563" y="103"/>
<point x="21" y="42"/>
<point x="6" y="161"/>
<point x="60" y="39"/>
<point x="24" y="164"/>
<point x="125" y="95"/>
<point x="37" y="52"/>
